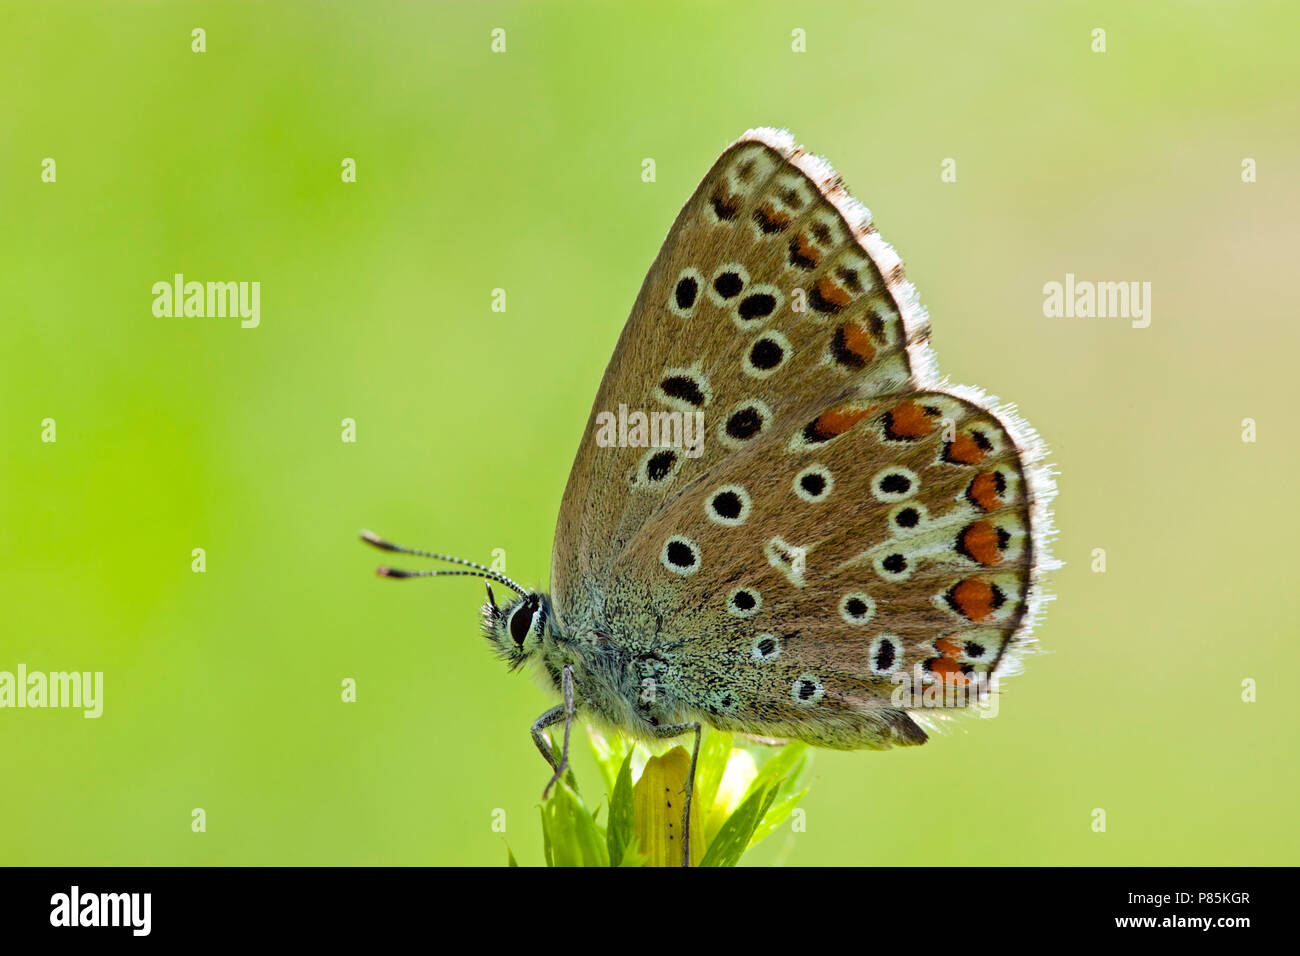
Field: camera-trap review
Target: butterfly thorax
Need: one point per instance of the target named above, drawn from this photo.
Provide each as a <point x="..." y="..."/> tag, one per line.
<point x="622" y="677"/>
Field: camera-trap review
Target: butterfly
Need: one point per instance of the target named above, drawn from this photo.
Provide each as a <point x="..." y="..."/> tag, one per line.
<point x="844" y="521"/>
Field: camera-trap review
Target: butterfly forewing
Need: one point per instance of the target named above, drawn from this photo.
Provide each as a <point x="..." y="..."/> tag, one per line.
<point x="843" y="520"/>
<point x="760" y="281"/>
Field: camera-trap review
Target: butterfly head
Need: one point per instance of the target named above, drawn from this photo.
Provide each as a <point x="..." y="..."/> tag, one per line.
<point x="516" y="631"/>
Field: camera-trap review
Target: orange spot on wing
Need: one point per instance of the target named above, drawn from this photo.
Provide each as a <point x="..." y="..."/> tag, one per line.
<point x="948" y="648"/>
<point x="980" y="542"/>
<point x="984" y="491"/>
<point x="948" y="670"/>
<point x="857" y="339"/>
<point x="833" y="292"/>
<point x="964" y="450"/>
<point x="806" y="250"/>
<point x="909" y="420"/>
<point x="973" y="598"/>
<point x="838" y="420"/>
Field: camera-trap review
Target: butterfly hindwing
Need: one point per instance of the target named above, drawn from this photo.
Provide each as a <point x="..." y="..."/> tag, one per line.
<point x="835" y="584"/>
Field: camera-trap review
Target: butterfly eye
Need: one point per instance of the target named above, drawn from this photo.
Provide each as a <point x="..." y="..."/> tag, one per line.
<point x="521" y="622"/>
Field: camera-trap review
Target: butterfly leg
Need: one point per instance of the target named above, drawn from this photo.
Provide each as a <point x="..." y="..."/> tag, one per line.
<point x="566" y="711"/>
<point x="552" y="716"/>
<point x="676" y="730"/>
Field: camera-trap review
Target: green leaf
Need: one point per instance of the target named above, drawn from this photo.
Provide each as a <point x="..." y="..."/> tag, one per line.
<point x="546" y="840"/>
<point x="782" y="769"/>
<point x="618" y="832"/>
<point x="733" y="839"/>
<point x="714" y="753"/>
<point x="632" y="855"/>
<point x="510" y="857"/>
<point x="574" y="838"/>
<point x="609" y="754"/>
<point x="776" y="816"/>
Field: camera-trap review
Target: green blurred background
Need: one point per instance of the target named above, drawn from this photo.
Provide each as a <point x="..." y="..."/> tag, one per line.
<point x="523" y="171"/>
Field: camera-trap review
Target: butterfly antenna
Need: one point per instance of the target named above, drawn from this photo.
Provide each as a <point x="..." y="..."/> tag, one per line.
<point x="481" y="571"/>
